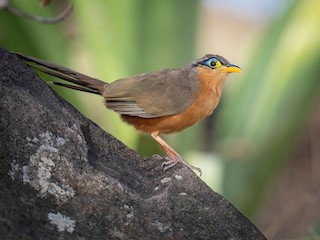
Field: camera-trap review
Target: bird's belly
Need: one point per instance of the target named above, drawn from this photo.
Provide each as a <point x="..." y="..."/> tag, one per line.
<point x="199" y="110"/>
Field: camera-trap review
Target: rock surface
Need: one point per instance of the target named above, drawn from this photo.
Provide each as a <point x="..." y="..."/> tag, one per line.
<point x="62" y="177"/>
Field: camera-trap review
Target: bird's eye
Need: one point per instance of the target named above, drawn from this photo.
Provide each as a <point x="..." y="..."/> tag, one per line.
<point x="213" y="63"/>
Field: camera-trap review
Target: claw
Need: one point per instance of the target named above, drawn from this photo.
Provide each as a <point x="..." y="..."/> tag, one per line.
<point x="168" y="164"/>
<point x="157" y="156"/>
<point x="171" y="163"/>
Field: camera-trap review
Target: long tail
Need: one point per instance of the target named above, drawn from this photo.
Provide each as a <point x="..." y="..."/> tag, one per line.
<point x="83" y="82"/>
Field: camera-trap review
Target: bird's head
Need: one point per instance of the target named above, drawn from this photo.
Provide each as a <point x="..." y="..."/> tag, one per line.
<point x="216" y="62"/>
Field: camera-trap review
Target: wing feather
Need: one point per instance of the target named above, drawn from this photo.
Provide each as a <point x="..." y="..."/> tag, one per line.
<point x="155" y="94"/>
<point x="128" y="108"/>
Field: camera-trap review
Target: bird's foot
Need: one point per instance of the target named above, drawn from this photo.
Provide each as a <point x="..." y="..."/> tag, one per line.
<point x="168" y="164"/>
<point x="173" y="157"/>
<point x="172" y="162"/>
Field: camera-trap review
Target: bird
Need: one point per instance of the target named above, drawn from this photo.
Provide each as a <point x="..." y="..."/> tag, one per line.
<point x="159" y="102"/>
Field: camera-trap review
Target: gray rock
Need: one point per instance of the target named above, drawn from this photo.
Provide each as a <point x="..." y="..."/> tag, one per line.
<point x="62" y="177"/>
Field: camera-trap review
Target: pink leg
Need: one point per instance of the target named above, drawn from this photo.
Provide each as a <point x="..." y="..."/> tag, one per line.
<point x="173" y="156"/>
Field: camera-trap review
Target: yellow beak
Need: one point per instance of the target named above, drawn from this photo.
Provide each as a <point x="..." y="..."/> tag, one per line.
<point x="231" y="69"/>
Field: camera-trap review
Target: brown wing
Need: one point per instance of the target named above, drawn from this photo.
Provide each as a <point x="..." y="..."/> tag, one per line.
<point x="154" y="94"/>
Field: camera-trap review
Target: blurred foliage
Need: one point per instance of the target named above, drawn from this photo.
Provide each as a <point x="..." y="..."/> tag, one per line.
<point x="108" y="40"/>
<point x="22" y="35"/>
<point x="129" y="37"/>
<point x="267" y="109"/>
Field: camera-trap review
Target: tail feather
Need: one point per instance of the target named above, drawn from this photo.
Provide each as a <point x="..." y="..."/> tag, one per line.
<point x="76" y="87"/>
<point x="88" y="84"/>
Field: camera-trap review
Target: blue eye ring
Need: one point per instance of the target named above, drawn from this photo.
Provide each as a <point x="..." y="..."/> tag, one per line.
<point x="213" y="63"/>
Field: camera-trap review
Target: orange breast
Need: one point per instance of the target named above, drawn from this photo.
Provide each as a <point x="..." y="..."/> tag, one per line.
<point x="204" y="103"/>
